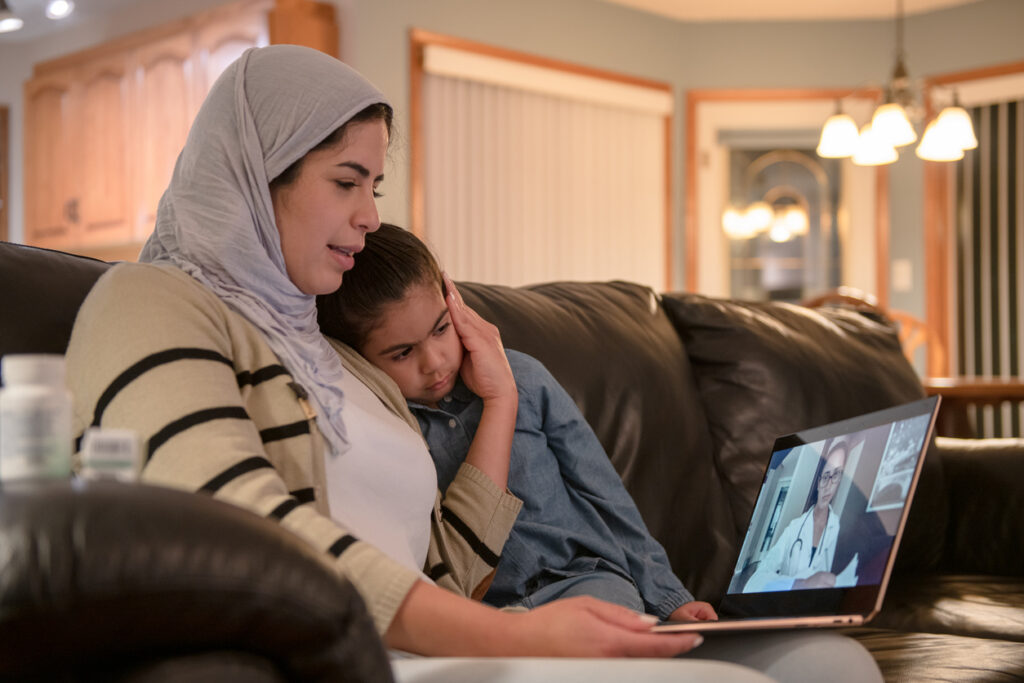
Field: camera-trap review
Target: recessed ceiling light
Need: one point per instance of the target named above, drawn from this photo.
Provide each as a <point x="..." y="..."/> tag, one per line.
<point x="58" y="9"/>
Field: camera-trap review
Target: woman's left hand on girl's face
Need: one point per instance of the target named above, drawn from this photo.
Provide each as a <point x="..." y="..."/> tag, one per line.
<point x="485" y="368"/>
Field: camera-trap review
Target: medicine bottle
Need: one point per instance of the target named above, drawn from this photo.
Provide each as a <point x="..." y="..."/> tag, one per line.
<point x="35" y="418"/>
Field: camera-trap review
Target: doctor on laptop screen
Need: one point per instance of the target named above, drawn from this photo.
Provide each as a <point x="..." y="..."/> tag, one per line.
<point x="828" y="511"/>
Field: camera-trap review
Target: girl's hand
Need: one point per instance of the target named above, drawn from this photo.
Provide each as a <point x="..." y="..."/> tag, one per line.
<point x="485" y="368"/>
<point x="587" y="627"/>
<point x="695" y="610"/>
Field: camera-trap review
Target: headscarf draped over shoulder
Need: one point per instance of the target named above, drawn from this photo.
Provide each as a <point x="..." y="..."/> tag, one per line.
<point x="216" y="219"/>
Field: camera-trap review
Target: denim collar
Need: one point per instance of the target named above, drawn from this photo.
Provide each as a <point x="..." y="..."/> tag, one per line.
<point x="460" y="395"/>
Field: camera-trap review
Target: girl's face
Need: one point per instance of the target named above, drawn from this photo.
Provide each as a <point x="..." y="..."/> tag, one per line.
<point x="324" y="214"/>
<point x="415" y="343"/>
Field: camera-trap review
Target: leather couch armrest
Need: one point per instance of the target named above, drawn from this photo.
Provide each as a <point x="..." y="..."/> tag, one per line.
<point x="100" y="578"/>
<point x="985" y="480"/>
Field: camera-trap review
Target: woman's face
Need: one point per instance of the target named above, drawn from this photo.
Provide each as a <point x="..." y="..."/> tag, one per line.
<point x="828" y="482"/>
<point x="323" y="215"/>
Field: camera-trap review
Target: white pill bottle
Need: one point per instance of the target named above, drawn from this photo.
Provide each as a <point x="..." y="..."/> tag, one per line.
<point x="35" y="418"/>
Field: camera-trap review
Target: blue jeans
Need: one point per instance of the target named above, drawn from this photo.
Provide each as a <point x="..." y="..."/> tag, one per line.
<point x="599" y="583"/>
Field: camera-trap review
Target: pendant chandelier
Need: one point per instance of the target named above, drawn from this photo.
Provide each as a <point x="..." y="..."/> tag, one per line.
<point x="945" y="138"/>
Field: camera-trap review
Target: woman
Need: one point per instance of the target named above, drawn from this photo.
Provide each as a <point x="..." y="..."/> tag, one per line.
<point x="802" y="556"/>
<point x="211" y="352"/>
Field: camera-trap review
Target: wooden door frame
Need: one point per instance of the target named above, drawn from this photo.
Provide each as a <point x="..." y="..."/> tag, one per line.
<point x="939" y="281"/>
<point x="694" y="98"/>
<point x="5" y="150"/>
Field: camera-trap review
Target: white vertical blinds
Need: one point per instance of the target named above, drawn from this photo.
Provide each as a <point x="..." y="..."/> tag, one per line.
<point x="523" y="184"/>
<point x="990" y="260"/>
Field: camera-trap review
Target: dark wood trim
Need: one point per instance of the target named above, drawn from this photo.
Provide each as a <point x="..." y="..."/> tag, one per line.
<point x="5" y="150"/>
<point x="419" y="38"/>
<point x="669" y="206"/>
<point x="939" y="282"/>
<point x="694" y="98"/>
<point x="416" y="170"/>
<point x="882" y="236"/>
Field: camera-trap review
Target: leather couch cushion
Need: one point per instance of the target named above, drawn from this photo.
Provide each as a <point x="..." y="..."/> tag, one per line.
<point x="765" y="369"/>
<point x="94" y="573"/>
<point x="46" y="287"/>
<point x="913" y="657"/>
<point x="970" y="605"/>
<point x="612" y="348"/>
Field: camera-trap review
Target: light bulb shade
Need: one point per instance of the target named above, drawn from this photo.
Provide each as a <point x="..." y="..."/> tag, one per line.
<point x="58" y="9"/>
<point x="8" y="21"/>
<point x="936" y="146"/>
<point x="759" y="217"/>
<point x="734" y="224"/>
<point x="780" y="232"/>
<point x="795" y="219"/>
<point x="873" y="151"/>
<point x="956" y="123"/>
<point x="838" y="137"/>
<point x="891" y="124"/>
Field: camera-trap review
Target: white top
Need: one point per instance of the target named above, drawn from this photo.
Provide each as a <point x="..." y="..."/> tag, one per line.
<point x="791" y="558"/>
<point x="383" y="486"/>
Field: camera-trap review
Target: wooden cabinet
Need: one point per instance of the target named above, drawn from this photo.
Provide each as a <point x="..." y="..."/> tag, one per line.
<point x="103" y="128"/>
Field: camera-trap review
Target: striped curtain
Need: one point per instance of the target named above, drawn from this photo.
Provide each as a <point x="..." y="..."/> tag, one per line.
<point x="523" y="187"/>
<point x="989" y="259"/>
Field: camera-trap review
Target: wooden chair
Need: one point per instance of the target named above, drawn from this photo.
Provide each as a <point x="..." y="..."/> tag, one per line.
<point x="912" y="331"/>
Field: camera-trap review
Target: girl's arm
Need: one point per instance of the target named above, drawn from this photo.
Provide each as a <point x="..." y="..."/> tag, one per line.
<point x="486" y="372"/>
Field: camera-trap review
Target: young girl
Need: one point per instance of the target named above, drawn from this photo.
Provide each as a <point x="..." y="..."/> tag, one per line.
<point x="579" y="532"/>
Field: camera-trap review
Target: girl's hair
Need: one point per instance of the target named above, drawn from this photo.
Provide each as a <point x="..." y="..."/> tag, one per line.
<point x="392" y="261"/>
<point x="375" y="112"/>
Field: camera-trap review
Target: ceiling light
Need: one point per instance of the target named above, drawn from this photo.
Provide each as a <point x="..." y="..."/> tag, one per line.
<point x="938" y="145"/>
<point x="892" y="124"/>
<point x="838" y="136"/>
<point x="8" y="22"/>
<point x="58" y="9"/>
<point x="873" y="150"/>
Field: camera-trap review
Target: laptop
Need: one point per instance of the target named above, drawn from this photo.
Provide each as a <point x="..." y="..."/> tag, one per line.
<point x="824" y="532"/>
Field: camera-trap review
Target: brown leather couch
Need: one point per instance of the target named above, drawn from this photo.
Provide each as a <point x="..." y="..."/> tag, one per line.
<point x="687" y="394"/>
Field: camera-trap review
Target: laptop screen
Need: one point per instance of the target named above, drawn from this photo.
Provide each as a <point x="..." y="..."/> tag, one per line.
<point x="829" y="514"/>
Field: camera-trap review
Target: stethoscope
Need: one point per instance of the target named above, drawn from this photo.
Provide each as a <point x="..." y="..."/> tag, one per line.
<point x="798" y="545"/>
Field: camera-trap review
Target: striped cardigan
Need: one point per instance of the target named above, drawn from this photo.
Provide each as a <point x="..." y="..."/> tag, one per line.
<point x="154" y="351"/>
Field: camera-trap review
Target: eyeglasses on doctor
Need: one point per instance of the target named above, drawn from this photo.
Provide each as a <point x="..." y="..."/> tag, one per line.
<point x="827" y="477"/>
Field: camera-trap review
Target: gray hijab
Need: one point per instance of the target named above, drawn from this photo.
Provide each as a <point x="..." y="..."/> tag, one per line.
<point x="216" y="219"/>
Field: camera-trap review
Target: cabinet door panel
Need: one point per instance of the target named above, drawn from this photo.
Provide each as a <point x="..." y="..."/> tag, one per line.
<point x="226" y="34"/>
<point x="105" y="181"/>
<point x="49" y="162"/>
<point x="165" y="109"/>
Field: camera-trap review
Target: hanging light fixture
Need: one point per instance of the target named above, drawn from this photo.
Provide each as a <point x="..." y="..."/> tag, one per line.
<point x="8" y="21"/>
<point x="945" y="139"/>
<point x="838" y="135"/>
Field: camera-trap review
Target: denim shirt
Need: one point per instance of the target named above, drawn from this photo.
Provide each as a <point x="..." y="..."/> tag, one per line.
<point x="576" y="515"/>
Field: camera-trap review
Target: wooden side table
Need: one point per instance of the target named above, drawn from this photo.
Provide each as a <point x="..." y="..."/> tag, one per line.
<point x="960" y="392"/>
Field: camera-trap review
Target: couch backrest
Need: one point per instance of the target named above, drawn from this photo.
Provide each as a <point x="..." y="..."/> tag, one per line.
<point x="765" y="369"/>
<point x="40" y="293"/>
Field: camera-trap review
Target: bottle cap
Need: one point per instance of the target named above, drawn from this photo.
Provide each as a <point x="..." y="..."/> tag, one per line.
<point x="32" y="368"/>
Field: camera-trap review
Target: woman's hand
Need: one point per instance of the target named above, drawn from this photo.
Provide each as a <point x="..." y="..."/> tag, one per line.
<point x="695" y="610"/>
<point x="485" y="368"/>
<point x="587" y="627"/>
<point x="817" y="580"/>
<point x="432" y="621"/>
